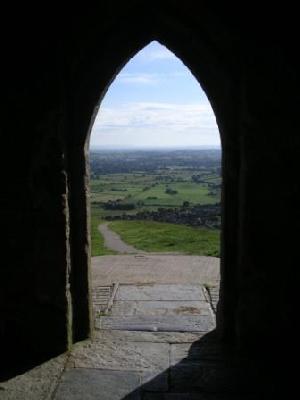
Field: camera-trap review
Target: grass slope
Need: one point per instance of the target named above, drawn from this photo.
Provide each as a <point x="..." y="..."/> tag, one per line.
<point x="163" y="237"/>
<point x="97" y="242"/>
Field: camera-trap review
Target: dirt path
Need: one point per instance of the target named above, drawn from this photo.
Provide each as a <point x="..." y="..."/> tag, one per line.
<point x="113" y="241"/>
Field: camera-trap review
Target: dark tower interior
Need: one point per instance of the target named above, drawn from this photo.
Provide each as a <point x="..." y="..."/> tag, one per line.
<point x="57" y="67"/>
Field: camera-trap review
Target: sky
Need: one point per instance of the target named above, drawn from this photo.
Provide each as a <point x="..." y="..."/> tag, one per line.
<point x="154" y="102"/>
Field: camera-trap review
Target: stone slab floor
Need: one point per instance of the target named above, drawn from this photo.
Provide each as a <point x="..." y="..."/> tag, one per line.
<point x="150" y="343"/>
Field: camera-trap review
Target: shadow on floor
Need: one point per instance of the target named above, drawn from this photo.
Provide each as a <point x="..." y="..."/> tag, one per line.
<point x="209" y="372"/>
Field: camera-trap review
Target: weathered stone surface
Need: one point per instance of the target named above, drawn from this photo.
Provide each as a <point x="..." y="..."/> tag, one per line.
<point x="155" y="268"/>
<point x="160" y="292"/>
<point x="191" y="353"/>
<point x="155" y="381"/>
<point x="120" y="355"/>
<point x="184" y="378"/>
<point x="140" y="336"/>
<point x="199" y="323"/>
<point x="37" y="384"/>
<point x="144" y="357"/>
<point x="90" y="384"/>
<point x="161" y="308"/>
<point x="211" y="376"/>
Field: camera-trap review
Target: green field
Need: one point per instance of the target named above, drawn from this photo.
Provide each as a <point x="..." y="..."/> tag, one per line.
<point x="150" y="191"/>
<point x="186" y="191"/>
<point x="137" y="182"/>
<point x="162" y="237"/>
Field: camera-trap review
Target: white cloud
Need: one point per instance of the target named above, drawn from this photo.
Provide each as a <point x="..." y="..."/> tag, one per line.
<point x="149" y="79"/>
<point x="145" y="79"/>
<point x="155" y="124"/>
<point x="156" y="114"/>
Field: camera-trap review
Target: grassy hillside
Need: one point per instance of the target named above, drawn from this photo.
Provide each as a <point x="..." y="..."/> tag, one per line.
<point x="162" y="237"/>
<point x="98" y="248"/>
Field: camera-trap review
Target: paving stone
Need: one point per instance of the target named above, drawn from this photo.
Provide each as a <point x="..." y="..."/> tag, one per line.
<point x="193" y="377"/>
<point x="161" y="308"/>
<point x="209" y="376"/>
<point x="122" y="363"/>
<point x="140" y="336"/>
<point x="155" y="381"/>
<point x="155" y="268"/>
<point x="90" y="384"/>
<point x="160" y="292"/>
<point x="194" y="352"/>
<point x="140" y="356"/>
<point x="37" y="384"/>
<point x="199" y="323"/>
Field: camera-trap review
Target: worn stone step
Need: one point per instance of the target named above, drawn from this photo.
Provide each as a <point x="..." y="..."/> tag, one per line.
<point x="141" y="336"/>
<point x="163" y="292"/>
<point x="193" y="353"/>
<point x="96" y="384"/>
<point x="159" y="308"/>
<point x="120" y="355"/>
<point x="93" y="384"/>
<point x="211" y="376"/>
<point x="199" y="323"/>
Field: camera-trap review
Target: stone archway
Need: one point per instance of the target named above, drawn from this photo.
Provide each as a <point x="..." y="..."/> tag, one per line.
<point x="251" y="79"/>
<point x="215" y="77"/>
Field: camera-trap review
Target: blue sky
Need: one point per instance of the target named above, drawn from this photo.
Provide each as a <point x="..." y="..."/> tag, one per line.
<point x="154" y="102"/>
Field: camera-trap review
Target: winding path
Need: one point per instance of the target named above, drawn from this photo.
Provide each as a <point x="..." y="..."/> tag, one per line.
<point x="113" y="241"/>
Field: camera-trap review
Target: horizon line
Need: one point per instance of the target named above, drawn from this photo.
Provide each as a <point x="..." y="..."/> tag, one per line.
<point x="155" y="147"/>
